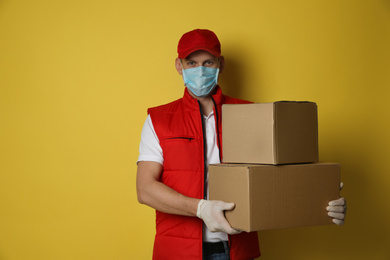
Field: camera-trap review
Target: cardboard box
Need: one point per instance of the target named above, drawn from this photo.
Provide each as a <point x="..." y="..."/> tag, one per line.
<point x="282" y="132"/>
<point x="275" y="197"/>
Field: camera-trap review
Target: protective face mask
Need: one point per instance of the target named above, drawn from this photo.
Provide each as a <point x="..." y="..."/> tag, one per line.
<point x="200" y="80"/>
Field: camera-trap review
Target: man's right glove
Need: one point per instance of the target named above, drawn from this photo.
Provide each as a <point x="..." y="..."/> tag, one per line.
<point x="212" y="214"/>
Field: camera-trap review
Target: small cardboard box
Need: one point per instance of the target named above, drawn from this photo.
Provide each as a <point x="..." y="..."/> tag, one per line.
<point x="283" y="132"/>
<point x="275" y="197"/>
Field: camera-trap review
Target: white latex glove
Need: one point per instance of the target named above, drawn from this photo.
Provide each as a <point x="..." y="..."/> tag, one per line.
<point x="212" y="214"/>
<point x="337" y="209"/>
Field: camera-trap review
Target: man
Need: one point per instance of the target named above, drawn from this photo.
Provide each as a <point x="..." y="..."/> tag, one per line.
<point x="178" y="142"/>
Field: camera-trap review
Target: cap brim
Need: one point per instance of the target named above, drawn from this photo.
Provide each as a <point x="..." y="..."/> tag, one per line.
<point x="184" y="54"/>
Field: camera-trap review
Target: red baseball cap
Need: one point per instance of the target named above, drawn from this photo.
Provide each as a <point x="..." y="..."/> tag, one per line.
<point x="198" y="39"/>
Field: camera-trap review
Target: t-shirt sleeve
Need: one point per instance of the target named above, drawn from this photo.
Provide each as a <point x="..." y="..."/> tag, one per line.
<point x="149" y="148"/>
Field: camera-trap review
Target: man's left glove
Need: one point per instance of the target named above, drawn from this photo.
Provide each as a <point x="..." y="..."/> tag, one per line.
<point x="337" y="209"/>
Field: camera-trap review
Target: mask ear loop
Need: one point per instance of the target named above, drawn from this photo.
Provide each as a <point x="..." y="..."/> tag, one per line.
<point x="219" y="70"/>
<point x="182" y="71"/>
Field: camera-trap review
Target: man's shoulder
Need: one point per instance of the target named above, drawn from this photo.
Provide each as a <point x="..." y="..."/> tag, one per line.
<point x="165" y="107"/>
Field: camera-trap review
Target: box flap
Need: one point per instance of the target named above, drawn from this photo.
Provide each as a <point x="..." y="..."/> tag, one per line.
<point x="293" y="101"/>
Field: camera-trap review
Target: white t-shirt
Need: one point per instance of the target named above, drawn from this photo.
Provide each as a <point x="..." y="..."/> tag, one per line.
<point x="150" y="150"/>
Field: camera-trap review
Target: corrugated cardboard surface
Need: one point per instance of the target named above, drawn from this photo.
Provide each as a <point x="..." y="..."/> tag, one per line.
<point x="245" y="128"/>
<point x="270" y="133"/>
<point x="275" y="197"/>
<point x="296" y="132"/>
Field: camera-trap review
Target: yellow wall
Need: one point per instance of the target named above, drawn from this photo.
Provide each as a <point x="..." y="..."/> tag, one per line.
<point x="76" y="78"/>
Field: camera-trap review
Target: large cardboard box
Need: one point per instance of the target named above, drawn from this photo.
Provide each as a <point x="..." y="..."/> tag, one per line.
<point x="275" y="197"/>
<point x="283" y="132"/>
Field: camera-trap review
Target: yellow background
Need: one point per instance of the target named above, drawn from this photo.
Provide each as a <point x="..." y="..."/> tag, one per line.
<point x="76" y="78"/>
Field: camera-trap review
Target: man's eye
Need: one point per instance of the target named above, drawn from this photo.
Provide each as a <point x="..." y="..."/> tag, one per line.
<point x="191" y="63"/>
<point x="209" y="62"/>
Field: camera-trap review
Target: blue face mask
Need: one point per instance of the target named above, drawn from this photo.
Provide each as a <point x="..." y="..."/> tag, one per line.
<point x="200" y="80"/>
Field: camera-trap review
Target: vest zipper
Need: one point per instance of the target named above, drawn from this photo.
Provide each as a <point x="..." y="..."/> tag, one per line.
<point x="205" y="165"/>
<point x="217" y="129"/>
<point x="220" y="148"/>
<point x="204" y="154"/>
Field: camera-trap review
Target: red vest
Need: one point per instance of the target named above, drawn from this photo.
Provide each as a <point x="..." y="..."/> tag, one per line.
<point x="179" y="128"/>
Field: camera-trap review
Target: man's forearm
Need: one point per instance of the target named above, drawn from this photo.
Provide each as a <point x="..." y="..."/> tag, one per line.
<point x="162" y="198"/>
<point x="157" y="195"/>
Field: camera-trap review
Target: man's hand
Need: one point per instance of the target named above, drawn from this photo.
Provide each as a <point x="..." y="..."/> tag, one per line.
<point x="212" y="214"/>
<point x="337" y="209"/>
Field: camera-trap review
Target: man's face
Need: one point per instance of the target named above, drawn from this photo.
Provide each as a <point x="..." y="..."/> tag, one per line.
<point x="199" y="58"/>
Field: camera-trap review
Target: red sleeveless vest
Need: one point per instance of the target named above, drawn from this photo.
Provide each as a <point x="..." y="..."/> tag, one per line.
<point x="179" y="127"/>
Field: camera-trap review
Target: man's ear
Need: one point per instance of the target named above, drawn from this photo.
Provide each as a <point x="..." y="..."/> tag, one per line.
<point x="221" y="64"/>
<point x="178" y="66"/>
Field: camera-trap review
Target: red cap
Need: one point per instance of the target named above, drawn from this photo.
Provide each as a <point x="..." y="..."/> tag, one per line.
<point x="198" y="39"/>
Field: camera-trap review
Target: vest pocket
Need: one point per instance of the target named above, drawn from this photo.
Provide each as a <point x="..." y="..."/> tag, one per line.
<point x="178" y="138"/>
<point x="181" y="153"/>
